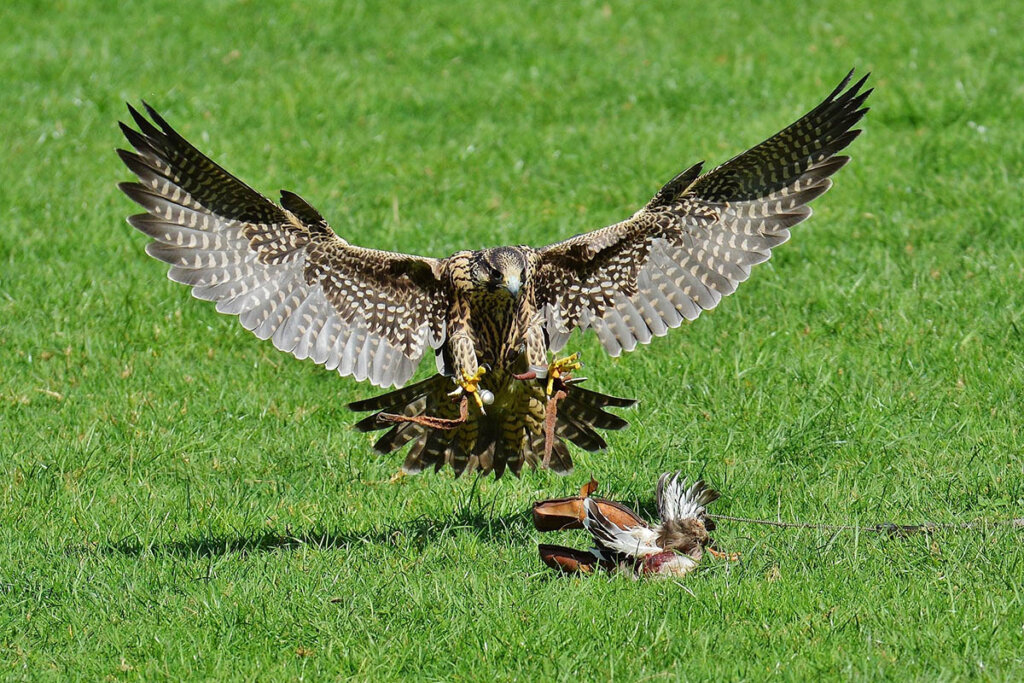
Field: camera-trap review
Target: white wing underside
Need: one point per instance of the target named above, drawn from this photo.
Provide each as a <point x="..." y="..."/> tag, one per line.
<point x="677" y="502"/>
<point x="701" y="235"/>
<point x="635" y="541"/>
<point x="670" y="292"/>
<point x="275" y="301"/>
<point x="276" y="298"/>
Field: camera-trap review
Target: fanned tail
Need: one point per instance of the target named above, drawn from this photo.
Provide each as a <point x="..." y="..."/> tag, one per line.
<point x="582" y="412"/>
<point x="429" y="397"/>
<point x="511" y="434"/>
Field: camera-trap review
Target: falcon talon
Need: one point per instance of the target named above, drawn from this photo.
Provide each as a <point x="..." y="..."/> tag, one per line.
<point x="470" y="384"/>
<point x="559" y="369"/>
<point x="373" y="315"/>
<point x="623" y="541"/>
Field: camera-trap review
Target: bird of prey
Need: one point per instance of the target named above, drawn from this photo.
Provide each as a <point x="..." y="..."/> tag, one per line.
<point x="624" y="541"/>
<point x="491" y="316"/>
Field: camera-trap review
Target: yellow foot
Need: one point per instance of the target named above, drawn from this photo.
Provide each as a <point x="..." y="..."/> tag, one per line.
<point x="560" y="367"/>
<point x="470" y="385"/>
<point x="731" y="557"/>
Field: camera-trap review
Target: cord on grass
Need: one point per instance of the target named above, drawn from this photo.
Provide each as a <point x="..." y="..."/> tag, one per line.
<point x="896" y="530"/>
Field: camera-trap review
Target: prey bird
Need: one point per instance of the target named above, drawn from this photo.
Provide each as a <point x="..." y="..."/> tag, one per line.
<point x="491" y="316"/>
<point x="623" y="541"/>
<point x="674" y="546"/>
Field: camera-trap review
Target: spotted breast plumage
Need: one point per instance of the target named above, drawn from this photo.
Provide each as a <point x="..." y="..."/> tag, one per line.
<point x="491" y="316"/>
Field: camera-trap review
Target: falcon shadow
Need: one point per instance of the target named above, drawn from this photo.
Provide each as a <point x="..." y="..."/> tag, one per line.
<point x="418" y="532"/>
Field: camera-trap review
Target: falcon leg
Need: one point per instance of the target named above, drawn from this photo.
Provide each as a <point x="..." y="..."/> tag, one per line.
<point x="560" y="368"/>
<point x="469" y="385"/>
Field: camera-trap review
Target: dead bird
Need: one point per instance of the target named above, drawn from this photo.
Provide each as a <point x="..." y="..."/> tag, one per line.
<point x="624" y="541"/>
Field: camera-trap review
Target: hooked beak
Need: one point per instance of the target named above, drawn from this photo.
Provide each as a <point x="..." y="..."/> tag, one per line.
<point x="512" y="284"/>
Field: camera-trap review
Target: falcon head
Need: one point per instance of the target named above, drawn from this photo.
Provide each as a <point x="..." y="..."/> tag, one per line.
<point x="499" y="269"/>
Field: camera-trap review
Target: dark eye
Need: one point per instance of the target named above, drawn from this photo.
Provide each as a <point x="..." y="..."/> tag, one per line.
<point x="494" y="278"/>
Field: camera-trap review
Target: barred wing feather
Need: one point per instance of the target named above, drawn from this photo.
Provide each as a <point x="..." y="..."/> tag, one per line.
<point x="279" y="267"/>
<point x="698" y="238"/>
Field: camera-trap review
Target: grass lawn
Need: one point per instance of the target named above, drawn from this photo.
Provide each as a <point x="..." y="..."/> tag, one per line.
<point x="178" y="499"/>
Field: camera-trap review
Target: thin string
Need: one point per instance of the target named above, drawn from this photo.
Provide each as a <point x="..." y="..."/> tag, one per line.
<point x="891" y="529"/>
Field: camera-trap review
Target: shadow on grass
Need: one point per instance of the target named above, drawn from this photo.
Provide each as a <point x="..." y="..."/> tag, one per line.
<point x="417" y="533"/>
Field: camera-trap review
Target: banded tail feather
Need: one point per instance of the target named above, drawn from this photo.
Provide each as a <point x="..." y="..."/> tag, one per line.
<point x="495" y="441"/>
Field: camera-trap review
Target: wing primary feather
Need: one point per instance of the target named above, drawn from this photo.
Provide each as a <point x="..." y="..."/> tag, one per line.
<point x="262" y="261"/>
<point x="697" y="239"/>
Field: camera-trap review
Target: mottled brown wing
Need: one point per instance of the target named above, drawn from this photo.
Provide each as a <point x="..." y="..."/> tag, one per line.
<point x="697" y="239"/>
<point x="280" y="268"/>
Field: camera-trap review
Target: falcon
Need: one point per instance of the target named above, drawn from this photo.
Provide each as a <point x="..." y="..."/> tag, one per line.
<point x="492" y="317"/>
<point x="673" y="547"/>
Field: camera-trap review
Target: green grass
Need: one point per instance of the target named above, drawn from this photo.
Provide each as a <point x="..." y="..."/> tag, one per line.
<point x="178" y="499"/>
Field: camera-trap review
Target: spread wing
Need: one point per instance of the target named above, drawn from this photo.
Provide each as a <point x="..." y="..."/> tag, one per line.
<point x="636" y="541"/>
<point x="698" y="238"/>
<point x="280" y="268"/>
<point x="677" y="502"/>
